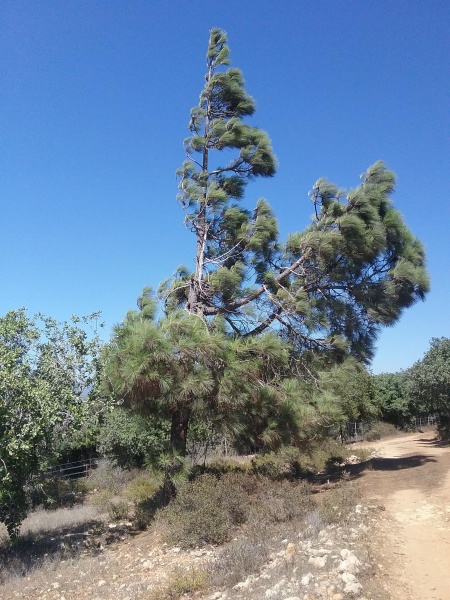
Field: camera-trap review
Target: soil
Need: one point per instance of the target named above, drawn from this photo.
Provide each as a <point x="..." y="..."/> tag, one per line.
<point x="406" y="485"/>
<point x="410" y="484"/>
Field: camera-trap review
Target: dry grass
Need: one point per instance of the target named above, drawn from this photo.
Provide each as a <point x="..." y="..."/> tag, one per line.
<point x="46" y="539"/>
<point x="58" y="554"/>
<point x="180" y="582"/>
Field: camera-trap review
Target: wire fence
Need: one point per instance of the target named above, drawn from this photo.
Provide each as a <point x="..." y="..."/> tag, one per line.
<point x="429" y="421"/>
<point x="73" y="470"/>
<point x="356" y="431"/>
<point x="352" y="432"/>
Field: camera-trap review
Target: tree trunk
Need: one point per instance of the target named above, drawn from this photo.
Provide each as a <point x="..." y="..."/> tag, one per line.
<point x="179" y="430"/>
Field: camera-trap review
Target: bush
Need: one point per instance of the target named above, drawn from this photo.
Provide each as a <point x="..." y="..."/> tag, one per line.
<point x="58" y="493"/>
<point x="129" y="439"/>
<point x="292" y="463"/>
<point x="110" y="479"/>
<point x="220" y="466"/>
<point x="286" y="501"/>
<point x="284" y="464"/>
<point x="205" y="510"/>
<point x="146" y="494"/>
<point x="182" y="582"/>
<point x="380" y="430"/>
<point x="338" y="503"/>
<point x="240" y="558"/>
<point x="118" y="510"/>
<point x="142" y="488"/>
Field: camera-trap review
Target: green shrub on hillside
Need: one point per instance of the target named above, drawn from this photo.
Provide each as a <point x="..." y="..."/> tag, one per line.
<point x="205" y="510"/>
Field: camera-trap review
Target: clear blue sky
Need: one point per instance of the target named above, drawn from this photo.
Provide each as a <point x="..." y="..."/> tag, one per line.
<point x="94" y="105"/>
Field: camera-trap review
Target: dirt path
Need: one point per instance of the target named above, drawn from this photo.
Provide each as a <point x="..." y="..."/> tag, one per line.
<point x="410" y="480"/>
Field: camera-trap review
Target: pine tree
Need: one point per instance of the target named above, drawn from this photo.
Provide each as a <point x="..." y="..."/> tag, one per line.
<point x="180" y="369"/>
<point x="250" y="335"/>
<point x="330" y="287"/>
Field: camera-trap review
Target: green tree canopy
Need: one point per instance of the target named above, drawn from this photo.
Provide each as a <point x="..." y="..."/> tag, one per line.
<point x="394" y="398"/>
<point x="181" y="369"/>
<point x="252" y="331"/>
<point x="430" y="380"/>
<point x="48" y="376"/>
<point x="355" y="268"/>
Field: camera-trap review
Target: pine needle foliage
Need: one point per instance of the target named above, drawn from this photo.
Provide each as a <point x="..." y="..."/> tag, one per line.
<point x="251" y="332"/>
<point x="330" y="287"/>
<point x="178" y="368"/>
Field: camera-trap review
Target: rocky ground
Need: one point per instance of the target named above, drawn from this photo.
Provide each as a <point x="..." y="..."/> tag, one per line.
<point x="331" y="563"/>
<point x="394" y="545"/>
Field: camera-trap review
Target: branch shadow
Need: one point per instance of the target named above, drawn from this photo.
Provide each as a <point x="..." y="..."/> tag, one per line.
<point x="434" y="443"/>
<point x="374" y="464"/>
<point x="46" y="546"/>
<point x="404" y="462"/>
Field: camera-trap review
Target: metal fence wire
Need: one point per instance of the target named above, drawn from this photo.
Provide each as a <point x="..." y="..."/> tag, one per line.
<point x="425" y="421"/>
<point x="73" y="470"/>
<point x="353" y="432"/>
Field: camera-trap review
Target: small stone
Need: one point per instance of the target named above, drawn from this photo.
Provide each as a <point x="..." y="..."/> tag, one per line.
<point x="306" y="579"/>
<point x="176" y="550"/>
<point x="353" y="587"/>
<point x="350" y="562"/>
<point x="147" y="564"/>
<point x="348" y="578"/>
<point x="101" y="583"/>
<point x="318" y="561"/>
<point x="242" y="585"/>
<point x="56" y="585"/>
<point x="215" y="596"/>
<point x="290" y="552"/>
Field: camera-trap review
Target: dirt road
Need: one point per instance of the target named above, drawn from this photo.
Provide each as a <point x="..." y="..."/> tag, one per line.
<point x="410" y="483"/>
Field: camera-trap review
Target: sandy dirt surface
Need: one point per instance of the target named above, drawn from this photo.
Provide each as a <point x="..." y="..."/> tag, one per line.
<point x="410" y="484"/>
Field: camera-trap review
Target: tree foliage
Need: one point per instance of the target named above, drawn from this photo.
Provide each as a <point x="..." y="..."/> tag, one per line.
<point x="251" y="333"/>
<point x="430" y="380"/>
<point x="355" y="268"/>
<point x="130" y="439"/>
<point x="394" y="398"/>
<point x="180" y="369"/>
<point x="47" y="385"/>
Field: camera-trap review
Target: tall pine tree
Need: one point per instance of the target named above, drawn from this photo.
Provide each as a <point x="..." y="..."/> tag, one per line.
<point x="249" y="330"/>
<point x="330" y="287"/>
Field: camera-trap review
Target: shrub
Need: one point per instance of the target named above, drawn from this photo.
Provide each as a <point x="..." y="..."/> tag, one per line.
<point x="145" y="492"/>
<point x="286" y="501"/>
<point x="205" y="510"/>
<point x="220" y="466"/>
<point x="240" y="558"/>
<point x="110" y="479"/>
<point x="118" y="510"/>
<point x="186" y="582"/>
<point x="129" y="439"/>
<point x="284" y="464"/>
<point x="142" y="488"/>
<point x="338" y="503"/>
<point x="58" y="493"/>
<point x="380" y="430"/>
<point x="292" y="463"/>
<point x="181" y="584"/>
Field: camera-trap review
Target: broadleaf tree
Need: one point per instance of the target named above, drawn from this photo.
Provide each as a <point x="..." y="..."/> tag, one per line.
<point x="257" y="317"/>
<point x="48" y="376"/>
<point x="429" y="382"/>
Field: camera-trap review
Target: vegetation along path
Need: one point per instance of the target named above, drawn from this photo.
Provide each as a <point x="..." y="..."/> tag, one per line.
<point x="411" y="480"/>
